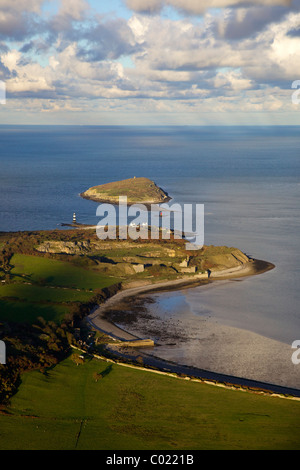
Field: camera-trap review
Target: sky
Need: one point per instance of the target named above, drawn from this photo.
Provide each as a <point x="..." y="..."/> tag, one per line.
<point x="150" y="62"/>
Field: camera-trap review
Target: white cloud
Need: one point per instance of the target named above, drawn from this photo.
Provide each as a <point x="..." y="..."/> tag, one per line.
<point x="11" y="59"/>
<point x="17" y="17"/>
<point x="139" y="27"/>
<point x="233" y="81"/>
<point x="73" y="8"/>
<point x="151" y="62"/>
<point x="21" y="5"/>
<point x="28" y="77"/>
<point x="198" y="6"/>
<point x="150" y="6"/>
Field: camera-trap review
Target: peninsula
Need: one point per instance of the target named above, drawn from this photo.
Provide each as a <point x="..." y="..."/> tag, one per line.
<point x="64" y="297"/>
<point x="137" y="190"/>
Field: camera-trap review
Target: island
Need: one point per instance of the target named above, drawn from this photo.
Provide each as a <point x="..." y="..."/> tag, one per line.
<point x="137" y="190"/>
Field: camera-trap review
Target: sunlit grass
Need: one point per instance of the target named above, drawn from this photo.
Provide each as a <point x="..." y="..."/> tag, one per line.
<point x="57" y="273"/>
<point x="132" y="409"/>
<point x="43" y="287"/>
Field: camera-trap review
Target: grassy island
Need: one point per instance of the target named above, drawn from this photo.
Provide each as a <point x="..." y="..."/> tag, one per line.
<point x="137" y="190"/>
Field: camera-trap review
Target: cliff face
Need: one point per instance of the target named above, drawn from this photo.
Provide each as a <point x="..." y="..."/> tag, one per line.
<point x="216" y="260"/>
<point x="137" y="190"/>
<point x="213" y="258"/>
<point x="69" y="248"/>
<point x="233" y="259"/>
<point x="212" y="261"/>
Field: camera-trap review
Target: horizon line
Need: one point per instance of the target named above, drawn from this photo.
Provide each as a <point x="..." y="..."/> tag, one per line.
<point x="150" y="125"/>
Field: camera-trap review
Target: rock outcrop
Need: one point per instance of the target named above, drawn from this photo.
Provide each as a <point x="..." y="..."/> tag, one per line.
<point x="69" y="248"/>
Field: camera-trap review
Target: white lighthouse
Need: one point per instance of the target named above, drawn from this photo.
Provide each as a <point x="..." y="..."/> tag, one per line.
<point x="74" y="218"/>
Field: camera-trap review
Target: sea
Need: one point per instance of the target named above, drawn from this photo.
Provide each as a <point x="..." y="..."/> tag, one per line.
<point x="247" y="178"/>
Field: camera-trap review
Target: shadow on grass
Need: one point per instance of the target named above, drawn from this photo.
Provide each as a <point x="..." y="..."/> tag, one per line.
<point x="106" y="371"/>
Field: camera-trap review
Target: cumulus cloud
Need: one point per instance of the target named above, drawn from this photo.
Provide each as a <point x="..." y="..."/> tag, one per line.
<point x="110" y="39"/>
<point x="183" y="46"/>
<point x="244" y="22"/>
<point x="24" y="76"/>
<point x="19" y="18"/>
<point x="75" y="9"/>
<point x="74" y="58"/>
<point x="196" y="7"/>
<point x="70" y="11"/>
<point x="145" y="6"/>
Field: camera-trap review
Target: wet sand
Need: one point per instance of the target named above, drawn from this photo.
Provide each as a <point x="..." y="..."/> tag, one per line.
<point x="97" y="316"/>
<point x="211" y="345"/>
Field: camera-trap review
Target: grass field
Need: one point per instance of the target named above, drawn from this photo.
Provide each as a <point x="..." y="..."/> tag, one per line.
<point x="18" y="311"/>
<point x="36" y="293"/>
<point x="57" y="273"/>
<point x="132" y="409"/>
<point x="43" y="287"/>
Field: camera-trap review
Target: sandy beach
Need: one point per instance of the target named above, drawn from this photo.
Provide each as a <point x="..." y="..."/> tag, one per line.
<point x="97" y="318"/>
<point x="215" y="347"/>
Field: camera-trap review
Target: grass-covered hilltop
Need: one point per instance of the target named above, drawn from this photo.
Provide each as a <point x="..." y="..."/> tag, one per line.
<point x="137" y="190"/>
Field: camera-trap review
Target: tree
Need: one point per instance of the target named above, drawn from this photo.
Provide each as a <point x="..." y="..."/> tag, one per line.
<point x="97" y="376"/>
<point x="78" y="359"/>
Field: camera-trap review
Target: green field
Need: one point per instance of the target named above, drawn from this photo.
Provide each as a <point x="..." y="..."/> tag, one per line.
<point x="44" y="287"/>
<point x="57" y="273"/>
<point x="132" y="409"/>
<point x="18" y="311"/>
<point x="39" y="294"/>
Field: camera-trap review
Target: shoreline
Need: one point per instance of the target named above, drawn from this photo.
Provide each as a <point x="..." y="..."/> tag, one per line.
<point x="272" y="356"/>
<point x="147" y="204"/>
<point x="96" y="317"/>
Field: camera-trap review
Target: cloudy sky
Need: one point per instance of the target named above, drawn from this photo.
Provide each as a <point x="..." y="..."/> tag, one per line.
<point x="151" y="62"/>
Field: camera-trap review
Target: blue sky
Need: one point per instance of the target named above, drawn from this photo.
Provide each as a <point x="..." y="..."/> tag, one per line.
<point x="149" y="62"/>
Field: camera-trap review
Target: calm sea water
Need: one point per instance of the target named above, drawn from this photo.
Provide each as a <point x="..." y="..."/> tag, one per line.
<point x="247" y="178"/>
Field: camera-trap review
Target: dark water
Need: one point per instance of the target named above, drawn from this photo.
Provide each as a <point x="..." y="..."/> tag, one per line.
<point x="247" y="178"/>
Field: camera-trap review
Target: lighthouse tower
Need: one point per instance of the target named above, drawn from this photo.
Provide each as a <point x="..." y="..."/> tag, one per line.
<point x="74" y="218"/>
